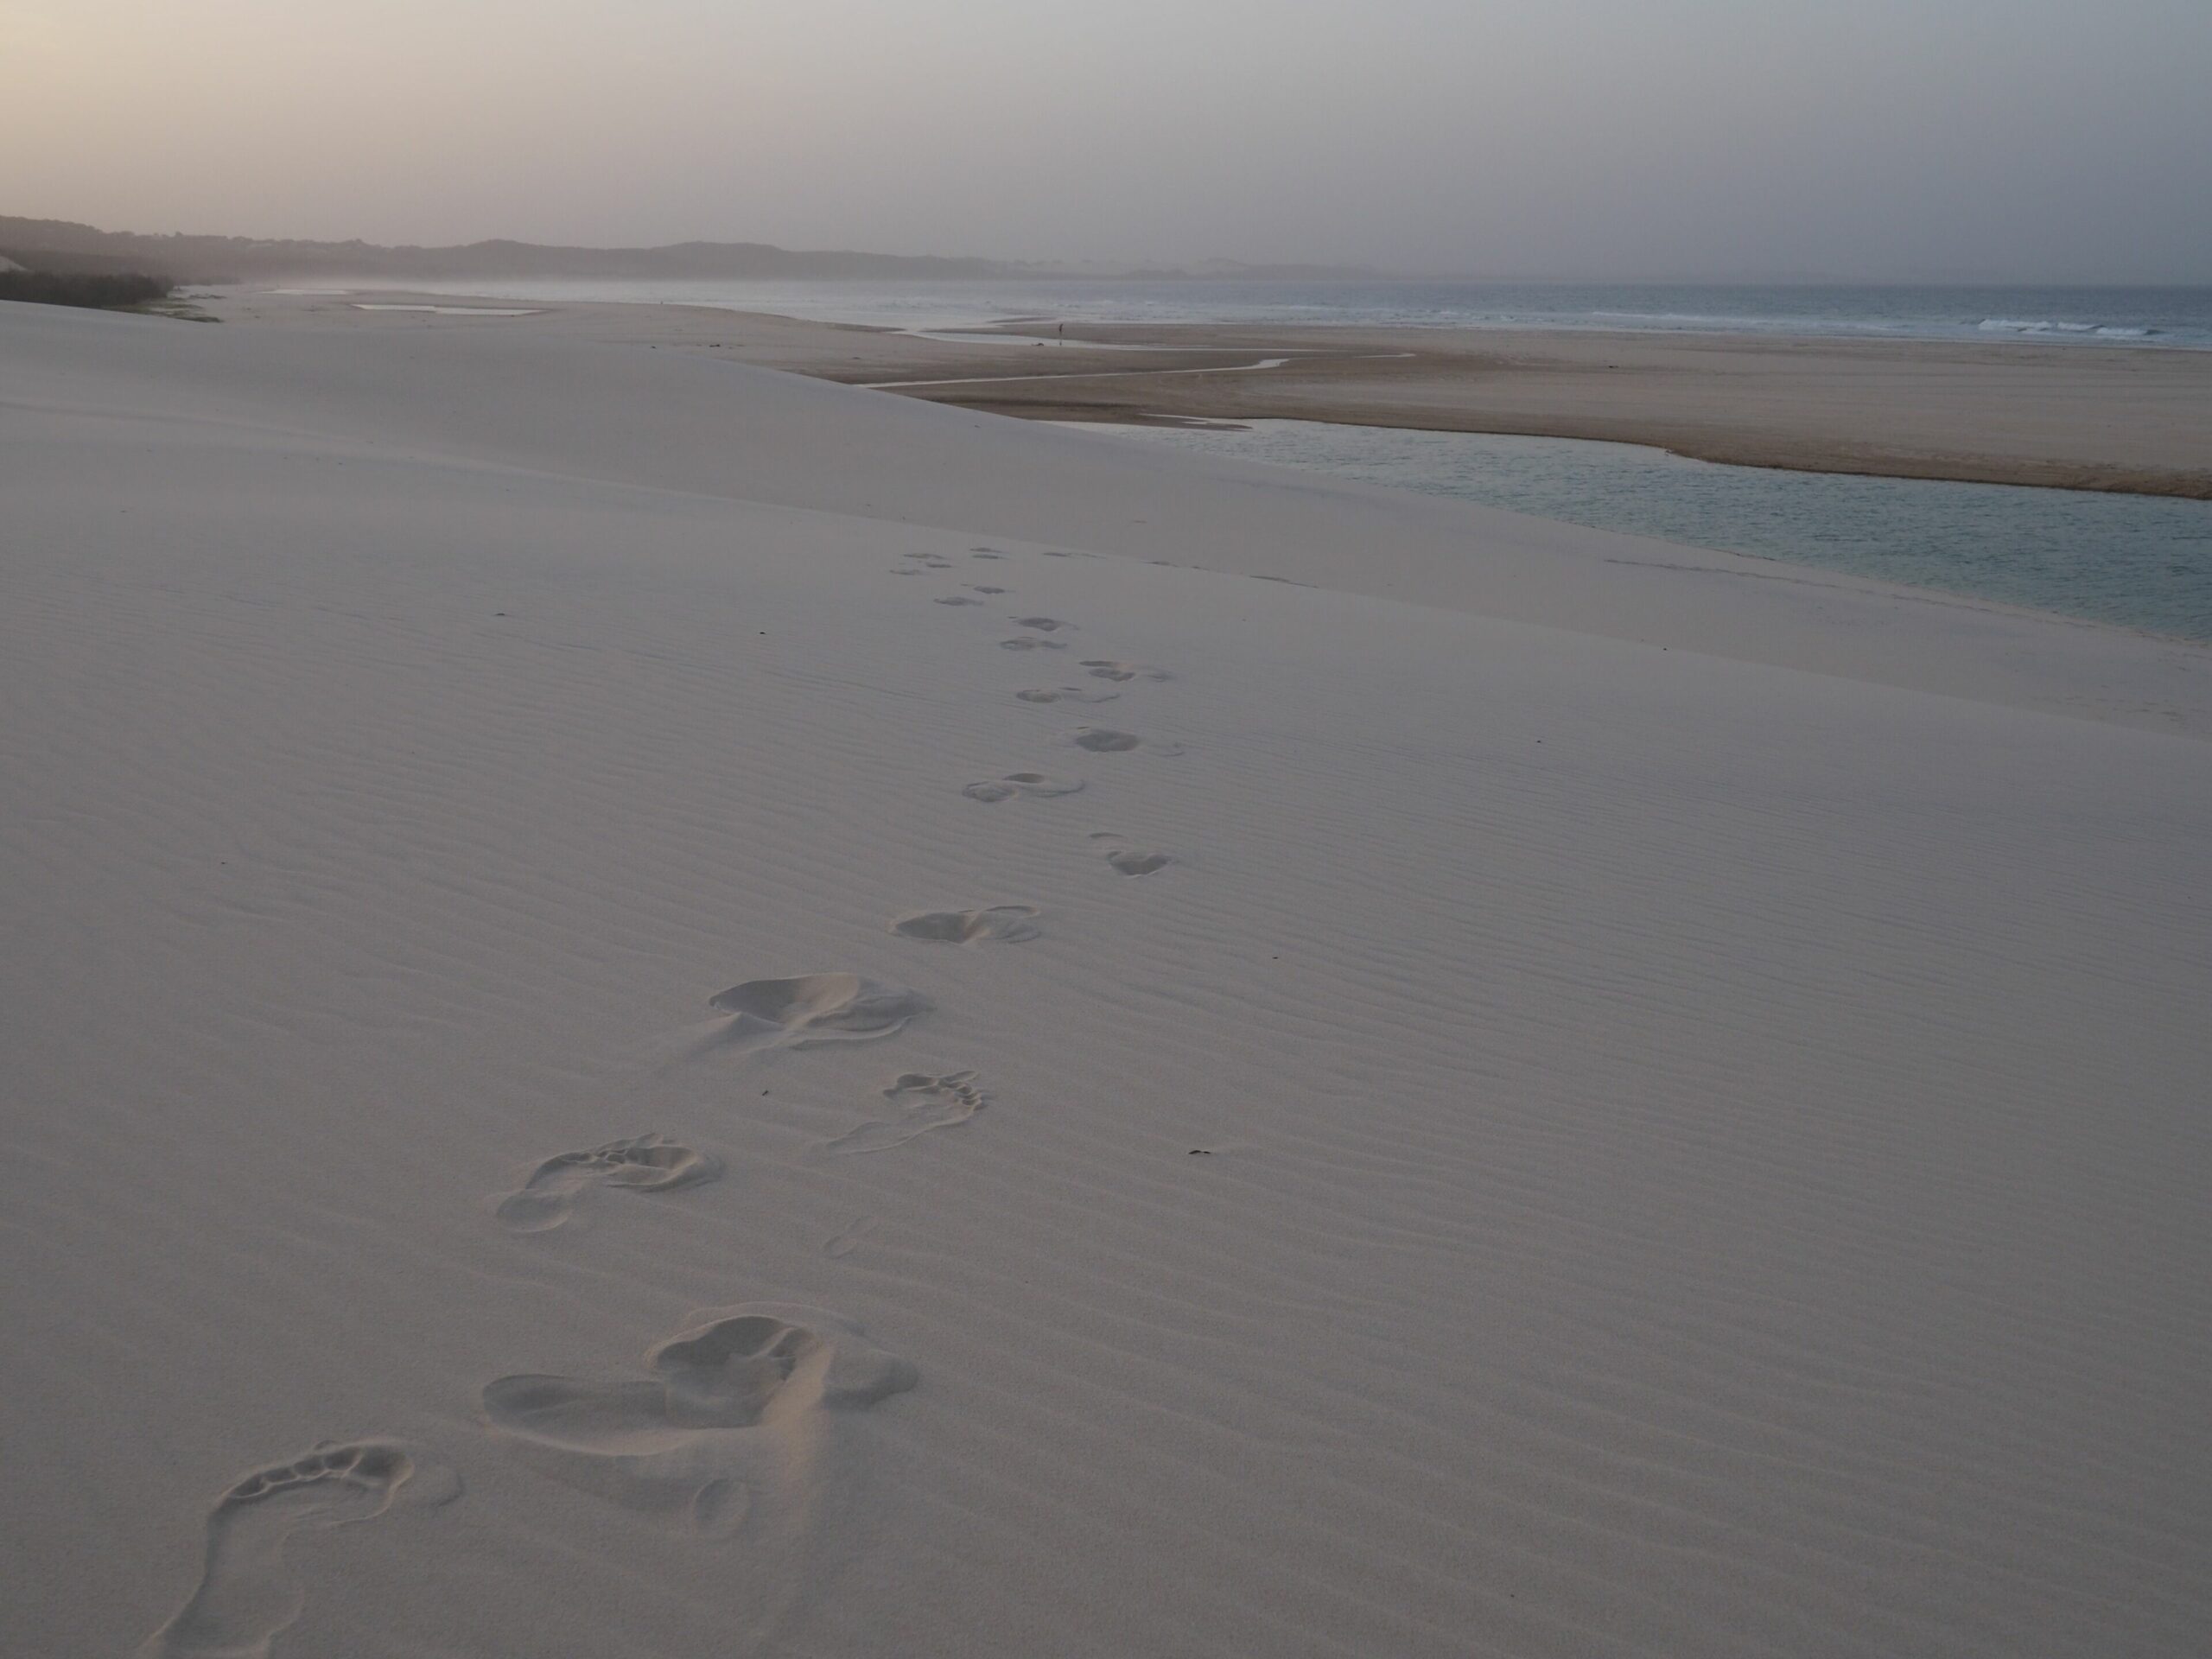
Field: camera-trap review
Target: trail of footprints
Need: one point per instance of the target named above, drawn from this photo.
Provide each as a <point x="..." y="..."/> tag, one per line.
<point x="720" y="1433"/>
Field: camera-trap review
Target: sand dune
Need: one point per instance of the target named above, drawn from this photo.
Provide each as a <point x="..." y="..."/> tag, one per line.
<point x="1611" y="1100"/>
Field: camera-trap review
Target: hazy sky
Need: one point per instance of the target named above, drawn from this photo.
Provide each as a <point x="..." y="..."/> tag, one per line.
<point x="2047" y="140"/>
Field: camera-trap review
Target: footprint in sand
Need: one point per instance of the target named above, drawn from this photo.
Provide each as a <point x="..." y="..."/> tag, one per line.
<point x="1042" y="624"/>
<point x="728" y="1432"/>
<point x="956" y="599"/>
<point x="984" y="588"/>
<point x="1028" y="644"/>
<point x="1128" y="860"/>
<point x="1105" y="739"/>
<point x="1039" y="784"/>
<point x="246" y="1597"/>
<point x="811" y="1009"/>
<point x="1105" y="668"/>
<point x="924" y="1103"/>
<point x="999" y="925"/>
<point x="985" y="553"/>
<point x="646" y="1163"/>
<point x="1064" y="694"/>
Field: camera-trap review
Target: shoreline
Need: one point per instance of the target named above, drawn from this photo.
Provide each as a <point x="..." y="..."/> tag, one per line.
<point x="1541" y="580"/>
<point x="1126" y="377"/>
<point x="2184" y="485"/>
<point x="2108" y="419"/>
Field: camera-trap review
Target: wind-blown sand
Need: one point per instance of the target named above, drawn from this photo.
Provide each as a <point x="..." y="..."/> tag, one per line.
<point x="592" y="1071"/>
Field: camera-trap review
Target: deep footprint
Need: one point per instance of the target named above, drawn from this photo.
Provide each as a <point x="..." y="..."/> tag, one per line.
<point x="924" y="1103"/>
<point x="1042" y="624"/>
<point x="811" y="1008"/>
<point x="730" y="1425"/>
<point x="245" y="1598"/>
<point x="1106" y="668"/>
<point x="999" y="925"/>
<point x="1040" y="785"/>
<point x="646" y="1163"/>
<point x="1064" y="694"/>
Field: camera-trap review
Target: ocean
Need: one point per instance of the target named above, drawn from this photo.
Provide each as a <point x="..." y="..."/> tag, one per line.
<point x="2168" y="317"/>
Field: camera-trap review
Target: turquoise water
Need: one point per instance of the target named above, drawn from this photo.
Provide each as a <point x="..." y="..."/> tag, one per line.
<point x="2145" y="562"/>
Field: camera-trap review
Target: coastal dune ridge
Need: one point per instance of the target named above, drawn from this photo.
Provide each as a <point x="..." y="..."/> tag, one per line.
<point x="1309" y="1071"/>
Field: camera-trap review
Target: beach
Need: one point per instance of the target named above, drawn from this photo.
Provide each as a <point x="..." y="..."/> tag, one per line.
<point x="658" y="1007"/>
<point x="2130" y="419"/>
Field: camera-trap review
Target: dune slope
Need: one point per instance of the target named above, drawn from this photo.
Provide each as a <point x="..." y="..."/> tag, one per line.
<point x="586" y="1076"/>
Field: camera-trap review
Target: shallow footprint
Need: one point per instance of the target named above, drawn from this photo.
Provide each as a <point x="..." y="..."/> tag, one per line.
<point x="1042" y="624"/>
<point x="646" y="1163"/>
<point x="851" y="1239"/>
<point x="924" y="1103"/>
<point x="811" y="1008"/>
<point x="1064" y="694"/>
<point x="1128" y="860"/>
<point x="246" y="1597"/>
<point x="956" y="599"/>
<point x="1105" y="739"/>
<point x="1027" y="644"/>
<point x="999" y="925"/>
<point x="730" y="1425"/>
<point x="1041" y="785"/>
<point x="985" y="587"/>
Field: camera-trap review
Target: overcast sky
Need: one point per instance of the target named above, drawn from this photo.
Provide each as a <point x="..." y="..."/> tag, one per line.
<point x="2034" y="140"/>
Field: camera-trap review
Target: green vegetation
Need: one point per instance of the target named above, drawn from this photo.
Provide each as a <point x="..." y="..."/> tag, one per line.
<point x="115" y="292"/>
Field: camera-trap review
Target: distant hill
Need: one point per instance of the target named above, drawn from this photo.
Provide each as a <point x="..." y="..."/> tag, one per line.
<point x="55" y="245"/>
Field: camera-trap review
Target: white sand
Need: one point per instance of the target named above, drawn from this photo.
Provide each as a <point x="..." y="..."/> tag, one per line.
<point x="1701" y="1157"/>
